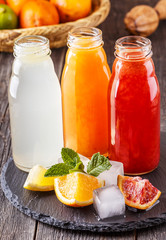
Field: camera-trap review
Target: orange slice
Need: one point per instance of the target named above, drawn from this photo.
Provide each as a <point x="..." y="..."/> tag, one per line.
<point x="138" y="193"/>
<point x="76" y="189"/>
<point x="36" y="180"/>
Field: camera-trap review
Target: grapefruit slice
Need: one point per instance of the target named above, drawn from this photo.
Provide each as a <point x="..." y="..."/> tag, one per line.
<point x="76" y="189"/>
<point x="138" y="193"/>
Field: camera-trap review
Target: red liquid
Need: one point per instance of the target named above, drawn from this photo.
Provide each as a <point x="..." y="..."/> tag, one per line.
<point x="134" y="115"/>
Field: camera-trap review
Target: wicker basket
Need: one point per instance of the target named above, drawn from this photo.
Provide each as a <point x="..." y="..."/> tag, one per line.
<point x="57" y="34"/>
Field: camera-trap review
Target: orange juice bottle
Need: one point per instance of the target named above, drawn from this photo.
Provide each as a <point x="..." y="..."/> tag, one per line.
<point x="84" y="93"/>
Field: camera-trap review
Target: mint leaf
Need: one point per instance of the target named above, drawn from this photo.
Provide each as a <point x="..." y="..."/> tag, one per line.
<point x="59" y="169"/>
<point x="70" y="157"/>
<point x="78" y="168"/>
<point x="98" y="164"/>
<point x="72" y="163"/>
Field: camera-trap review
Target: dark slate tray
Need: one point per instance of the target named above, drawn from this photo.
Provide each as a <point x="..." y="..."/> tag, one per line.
<point x="45" y="207"/>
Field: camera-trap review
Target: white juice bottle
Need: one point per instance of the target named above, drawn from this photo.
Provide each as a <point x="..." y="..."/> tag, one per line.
<point x="35" y="105"/>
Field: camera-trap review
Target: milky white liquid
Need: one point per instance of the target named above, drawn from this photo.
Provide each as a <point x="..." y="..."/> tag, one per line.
<point x="35" y="112"/>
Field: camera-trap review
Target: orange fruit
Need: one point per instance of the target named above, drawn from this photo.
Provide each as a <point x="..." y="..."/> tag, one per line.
<point x="36" y="13"/>
<point x="8" y="19"/>
<point x="76" y="189"/>
<point x="16" y="5"/>
<point x="138" y="193"/>
<point x="2" y="2"/>
<point x="71" y="10"/>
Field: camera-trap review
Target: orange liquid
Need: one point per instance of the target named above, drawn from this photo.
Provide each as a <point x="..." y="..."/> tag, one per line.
<point x="84" y="100"/>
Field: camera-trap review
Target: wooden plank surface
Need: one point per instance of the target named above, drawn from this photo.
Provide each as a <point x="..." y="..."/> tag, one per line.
<point x="15" y="225"/>
<point x="156" y="233"/>
<point x="50" y="233"/>
<point x="12" y="224"/>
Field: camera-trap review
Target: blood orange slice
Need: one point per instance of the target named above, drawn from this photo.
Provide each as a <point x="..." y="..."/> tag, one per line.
<point x="138" y="193"/>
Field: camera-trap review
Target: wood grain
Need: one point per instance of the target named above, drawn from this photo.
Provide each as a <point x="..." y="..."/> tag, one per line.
<point x="12" y="225"/>
<point x="58" y="57"/>
<point x="156" y="233"/>
<point x="49" y="233"/>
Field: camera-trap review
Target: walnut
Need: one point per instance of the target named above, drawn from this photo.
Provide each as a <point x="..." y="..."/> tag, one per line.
<point x="161" y="9"/>
<point x="142" y="20"/>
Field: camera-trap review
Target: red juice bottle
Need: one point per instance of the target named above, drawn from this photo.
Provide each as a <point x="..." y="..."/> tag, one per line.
<point x="134" y="107"/>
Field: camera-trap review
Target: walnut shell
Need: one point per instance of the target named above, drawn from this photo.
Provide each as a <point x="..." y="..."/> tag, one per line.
<point x="161" y="9"/>
<point x="142" y="20"/>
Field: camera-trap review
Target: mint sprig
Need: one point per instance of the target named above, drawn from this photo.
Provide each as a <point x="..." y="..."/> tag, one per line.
<point x="98" y="164"/>
<point x="72" y="163"/>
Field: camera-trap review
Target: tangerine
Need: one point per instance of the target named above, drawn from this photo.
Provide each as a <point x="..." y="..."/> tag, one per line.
<point x="38" y="13"/>
<point x="16" y="5"/>
<point x="71" y="10"/>
<point x="138" y="193"/>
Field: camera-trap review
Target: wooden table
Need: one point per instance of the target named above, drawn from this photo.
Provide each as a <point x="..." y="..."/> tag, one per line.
<point x="14" y="224"/>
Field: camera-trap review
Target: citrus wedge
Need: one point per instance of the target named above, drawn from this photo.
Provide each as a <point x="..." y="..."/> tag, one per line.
<point x="138" y="193"/>
<point x="76" y="189"/>
<point x="36" y="180"/>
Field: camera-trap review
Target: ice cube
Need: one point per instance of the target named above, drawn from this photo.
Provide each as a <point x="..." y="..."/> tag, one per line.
<point x="110" y="176"/>
<point x="108" y="202"/>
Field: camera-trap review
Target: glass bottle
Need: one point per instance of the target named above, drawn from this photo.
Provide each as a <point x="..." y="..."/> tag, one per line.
<point x="134" y="107"/>
<point x="35" y="105"/>
<point x="84" y="92"/>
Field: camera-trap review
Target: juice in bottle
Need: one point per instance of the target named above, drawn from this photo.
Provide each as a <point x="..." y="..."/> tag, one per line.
<point x="84" y="93"/>
<point x="35" y="105"/>
<point x="134" y="107"/>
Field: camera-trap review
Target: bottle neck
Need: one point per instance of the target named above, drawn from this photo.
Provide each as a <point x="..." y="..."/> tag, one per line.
<point x="31" y="46"/>
<point x="133" y="48"/>
<point x="84" y="38"/>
